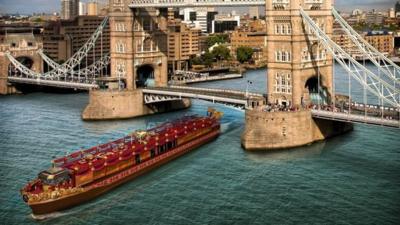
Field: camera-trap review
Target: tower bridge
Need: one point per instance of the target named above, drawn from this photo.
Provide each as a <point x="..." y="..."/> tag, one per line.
<point x="300" y="73"/>
<point x="194" y="3"/>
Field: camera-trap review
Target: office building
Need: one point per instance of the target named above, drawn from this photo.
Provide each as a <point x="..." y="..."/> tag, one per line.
<point x="183" y="43"/>
<point x="223" y="23"/>
<point x="69" y="9"/>
<point x="61" y="39"/>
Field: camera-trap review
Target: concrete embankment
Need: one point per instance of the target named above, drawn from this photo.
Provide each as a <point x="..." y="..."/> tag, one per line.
<point x="279" y="130"/>
<point x="107" y="105"/>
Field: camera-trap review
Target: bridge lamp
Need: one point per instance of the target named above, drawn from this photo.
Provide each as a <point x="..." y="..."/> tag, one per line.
<point x="247" y="87"/>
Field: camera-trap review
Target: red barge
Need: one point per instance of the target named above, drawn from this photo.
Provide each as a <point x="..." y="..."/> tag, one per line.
<point x="84" y="175"/>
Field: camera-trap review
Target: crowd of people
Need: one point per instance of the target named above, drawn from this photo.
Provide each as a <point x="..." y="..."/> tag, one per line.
<point x="279" y="108"/>
<point x="330" y="108"/>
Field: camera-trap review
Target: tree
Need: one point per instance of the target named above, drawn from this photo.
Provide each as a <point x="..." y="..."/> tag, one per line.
<point x="208" y="59"/>
<point x="244" y="54"/>
<point x="221" y="52"/>
<point x="196" y="60"/>
<point x="218" y="38"/>
<point x="38" y="20"/>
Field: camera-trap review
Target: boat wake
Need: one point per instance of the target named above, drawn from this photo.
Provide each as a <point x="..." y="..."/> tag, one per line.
<point x="48" y="216"/>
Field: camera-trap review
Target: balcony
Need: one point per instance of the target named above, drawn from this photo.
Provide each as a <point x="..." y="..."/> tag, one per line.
<point x="280" y="4"/>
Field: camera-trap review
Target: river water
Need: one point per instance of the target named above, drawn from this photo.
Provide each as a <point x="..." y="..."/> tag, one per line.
<point x="351" y="179"/>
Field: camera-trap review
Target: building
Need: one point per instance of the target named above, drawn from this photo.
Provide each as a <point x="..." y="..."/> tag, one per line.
<point x="391" y="22"/>
<point x="69" y="9"/>
<point x="397" y="7"/>
<point x="210" y="17"/>
<point x="356" y="12"/>
<point x="252" y="34"/>
<point x="374" y="17"/>
<point x="223" y="23"/>
<point x="61" y="39"/>
<point x="200" y="17"/>
<point x="391" y="13"/>
<point x="383" y="41"/>
<point x="82" y="9"/>
<point x="254" y="12"/>
<point x="92" y="9"/>
<point x="397" y="44"/>
<point x="22" y="42"/>
<point x="341" y="38"/>
<point x="183" y="43"/>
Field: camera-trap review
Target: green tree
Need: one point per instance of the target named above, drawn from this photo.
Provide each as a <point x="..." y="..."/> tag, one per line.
<point x="221" y="52"/>
<point x="196" y="61"/>
<point x="208" y="59"/>
<point x="218" y="38"/>
<point x="38" y="20"/>
<point x="244" y="54"/>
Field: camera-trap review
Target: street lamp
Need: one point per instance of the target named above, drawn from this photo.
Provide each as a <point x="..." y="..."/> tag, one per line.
<point x="247" y="87"/>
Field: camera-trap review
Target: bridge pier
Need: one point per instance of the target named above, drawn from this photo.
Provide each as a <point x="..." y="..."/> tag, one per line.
<point x="108" y="105"/>
<point x="281" y="130"/>
<point x="6" y="88"/>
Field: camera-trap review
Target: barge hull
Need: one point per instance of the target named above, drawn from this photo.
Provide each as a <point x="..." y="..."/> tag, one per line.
<point x="76" y="199"/>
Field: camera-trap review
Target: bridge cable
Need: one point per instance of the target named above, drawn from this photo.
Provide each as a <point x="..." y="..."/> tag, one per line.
<point x="334" y="49"/>
<point x="371" y="52"/>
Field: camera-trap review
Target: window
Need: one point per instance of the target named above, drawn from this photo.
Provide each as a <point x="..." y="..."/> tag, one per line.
<point x="283" y="28"/>
<point x="120" y="27"/>
<point x="289" y="29"/>
<point x="283" y="56"/>
<point x="120" y="47"/>
<point x="283" y="83"/>
<point x="136" y="25"/>
<point x="147" y="45"/>
<point x="139" y="46"/>
<point x="278" y="56"/>
<point x="121" y="70"/>
<point x="146" y="24"/>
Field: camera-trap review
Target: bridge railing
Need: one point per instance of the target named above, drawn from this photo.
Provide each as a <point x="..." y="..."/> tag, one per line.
<point x="347" y="117"/>
<point x="193" y="3"/>
<point x="224" y="91"/>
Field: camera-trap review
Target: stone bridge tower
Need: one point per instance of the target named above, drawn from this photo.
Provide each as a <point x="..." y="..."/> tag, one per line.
<point x="138" y="45"/>
<point x="296" y="61"/>
<point x="138" y="48"/>
<point x="23" y="47"/>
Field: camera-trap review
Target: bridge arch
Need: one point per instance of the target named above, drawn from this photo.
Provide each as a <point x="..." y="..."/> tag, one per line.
<point x="316" y="92"/>
<point x="145" y="76"/>
<point x="25" y="60"/>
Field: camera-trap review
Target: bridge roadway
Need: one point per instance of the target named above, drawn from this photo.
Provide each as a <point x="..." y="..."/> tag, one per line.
<point x="229" y="97"/>
<point x="240" y="98"/>
<point x="53" y="83"/>
<point x="354" y="118"/>
<point x="194" y="3"/>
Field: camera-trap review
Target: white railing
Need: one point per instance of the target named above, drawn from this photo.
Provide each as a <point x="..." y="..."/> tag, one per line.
<point x="194" y="3"/>
<point x="370" y="81"/>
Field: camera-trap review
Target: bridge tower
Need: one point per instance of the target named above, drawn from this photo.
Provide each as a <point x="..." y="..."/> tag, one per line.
<point x="296" y="61"/>
<point x="138" y="49"/>
<point x="138" y="45"/>
<point x="23" y="47"/>
<point x="300" y="72"/>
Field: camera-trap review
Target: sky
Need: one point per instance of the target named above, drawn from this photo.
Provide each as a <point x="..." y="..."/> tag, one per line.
<point x="48" y="6"/>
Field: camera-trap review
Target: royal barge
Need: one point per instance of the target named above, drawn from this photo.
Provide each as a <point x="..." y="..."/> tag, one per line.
<point x="84" y="175"/>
